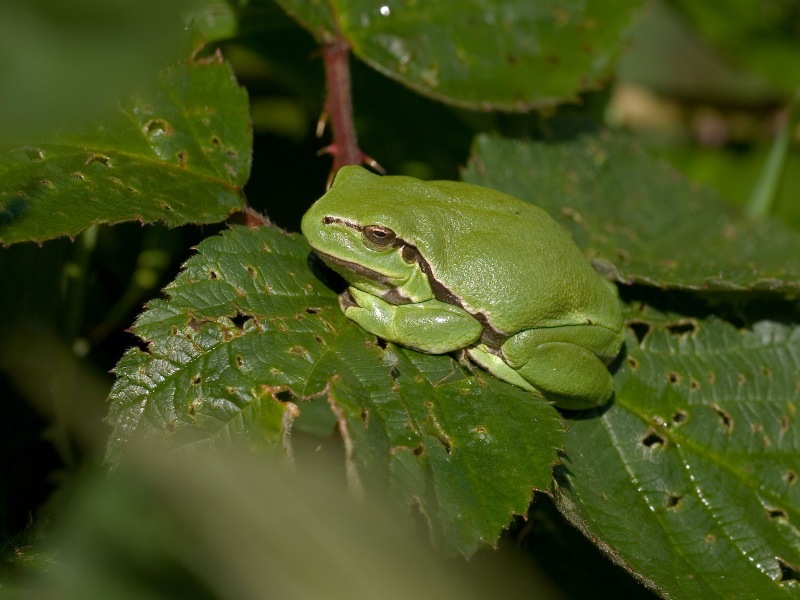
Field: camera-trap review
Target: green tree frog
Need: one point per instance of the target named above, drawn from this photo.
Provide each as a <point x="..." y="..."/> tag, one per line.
<point x="440" y="266"/>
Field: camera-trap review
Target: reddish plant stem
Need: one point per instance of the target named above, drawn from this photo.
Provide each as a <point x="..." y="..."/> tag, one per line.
<point x="339" y="110"/>
<point x="339" y="106"/>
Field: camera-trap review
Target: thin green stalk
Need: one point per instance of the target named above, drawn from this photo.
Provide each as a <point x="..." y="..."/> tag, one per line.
<point x="762" y="198"/>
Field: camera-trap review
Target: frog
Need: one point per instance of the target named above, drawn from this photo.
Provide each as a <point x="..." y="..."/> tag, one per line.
<point x="452" y="267"/>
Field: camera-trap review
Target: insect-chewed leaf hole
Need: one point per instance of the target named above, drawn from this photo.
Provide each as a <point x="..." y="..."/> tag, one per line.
<point x="240" y="319"/>
<point x="634" y="364"/>
<point x="790" y="477"/>
<point x="674" y="501"/>
<point x="653" y="439"/>
<point x="239" y="360"/>
<point x="212" y="274"/>
<point x="776" y="513"/>
<point x="419" y="450"/>
<point x="694" y="385"/>
<point x="640" y="329"/>
<point x="313" y="310"/>
<point x="197" y="380"/>
<point x="727" y="420"/>
<point x="183" y="158"/>
<point x="789" y="572"/>
<point x="319" y="339"/>
<point x="680" y="416"/>
<point x="365" y="416"/>
<point x="673" y="377"/>
<point x="682" y="328"/>
<point x="283" y="395"/>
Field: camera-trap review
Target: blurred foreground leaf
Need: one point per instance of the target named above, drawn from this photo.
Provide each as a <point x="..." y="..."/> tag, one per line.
<point x="63" y="62"/>
<point x="234" y="525"/>
<point x="248" y="328"/>
<point x="180" y="154"/>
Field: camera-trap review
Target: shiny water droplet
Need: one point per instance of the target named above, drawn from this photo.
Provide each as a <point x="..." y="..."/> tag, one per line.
<point x="386" y="11"/>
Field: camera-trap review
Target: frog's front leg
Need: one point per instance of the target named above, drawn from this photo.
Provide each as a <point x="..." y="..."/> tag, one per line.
<point x="432" y="326"/>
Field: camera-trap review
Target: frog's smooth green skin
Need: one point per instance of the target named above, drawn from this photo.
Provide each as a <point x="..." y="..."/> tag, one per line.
<point x="440" y="266"/>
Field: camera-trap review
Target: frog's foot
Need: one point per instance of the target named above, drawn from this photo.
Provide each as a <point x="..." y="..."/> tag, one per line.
<point x="495" y="364"/>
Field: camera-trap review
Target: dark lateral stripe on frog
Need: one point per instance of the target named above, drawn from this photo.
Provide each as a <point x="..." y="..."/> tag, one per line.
<point x="491" y="336"/>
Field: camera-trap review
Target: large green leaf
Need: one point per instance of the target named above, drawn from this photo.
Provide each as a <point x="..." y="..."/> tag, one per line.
<point x="638" y="219"/>
<point x="179" y="154"/>
<point x="690" y="478"/>
<point x="509" y="55"/>
<point x="248" y="327"/>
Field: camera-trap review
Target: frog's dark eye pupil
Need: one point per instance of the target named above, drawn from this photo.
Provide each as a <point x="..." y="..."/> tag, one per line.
<point x="379" y="235"/>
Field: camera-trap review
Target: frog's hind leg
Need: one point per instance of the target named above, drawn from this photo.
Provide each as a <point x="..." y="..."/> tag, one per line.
<point x="571" y="376"/>
<point x="495" y="364"/>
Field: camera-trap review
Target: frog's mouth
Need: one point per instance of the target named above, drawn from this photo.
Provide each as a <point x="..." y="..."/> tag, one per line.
<point x="390" y="292"/>
<point x="356" y="269"/>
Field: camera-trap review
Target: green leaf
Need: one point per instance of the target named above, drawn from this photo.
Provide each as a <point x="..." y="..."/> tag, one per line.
<point x="180" y="154"/>
<point x="761" y="37"/>
<point x="248" y="326"/>
<point x="512" y="55"/>
<point x="639" y="220"/>
<point x="690" y="477"/>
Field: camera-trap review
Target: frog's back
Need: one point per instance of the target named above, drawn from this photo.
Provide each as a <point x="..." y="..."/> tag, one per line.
<point x="495" y="251"/>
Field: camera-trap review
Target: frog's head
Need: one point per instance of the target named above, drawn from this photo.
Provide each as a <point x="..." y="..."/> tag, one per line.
<point x="363" y="230"/>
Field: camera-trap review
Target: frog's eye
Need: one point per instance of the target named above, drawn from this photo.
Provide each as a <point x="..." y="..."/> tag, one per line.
<point x="380" y="235"/>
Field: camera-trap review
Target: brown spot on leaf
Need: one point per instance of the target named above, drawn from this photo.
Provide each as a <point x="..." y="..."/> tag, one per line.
<point x="33" y="154"/>
<point x="98" y="158"/>
<point x="673" y="377"/>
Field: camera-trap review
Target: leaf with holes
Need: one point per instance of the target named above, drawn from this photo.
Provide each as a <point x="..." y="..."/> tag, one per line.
<point x="638" y="219"/>
<point x="247" y="327"/>
<point x="690" y="477"/>
<point x="514" y="55"/>
<point x="180" y="155"/>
